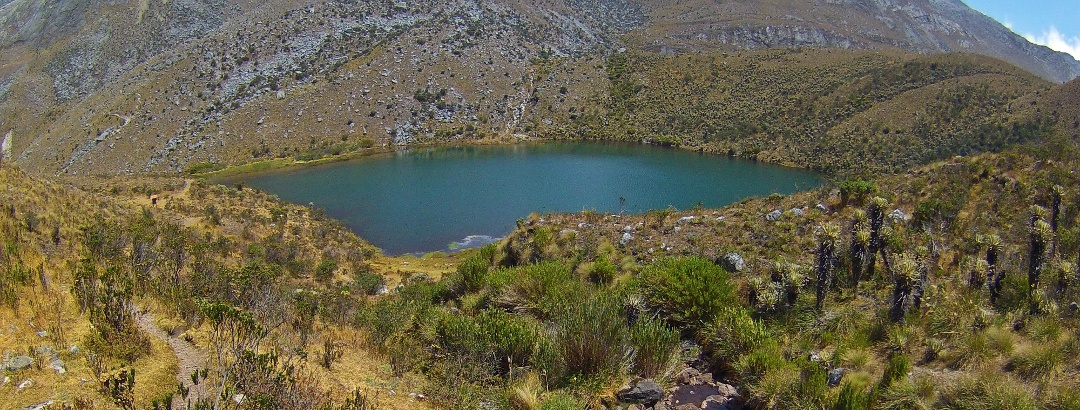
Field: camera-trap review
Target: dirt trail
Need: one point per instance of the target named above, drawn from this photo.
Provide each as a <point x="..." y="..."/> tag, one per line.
<point x="189" y="358"/>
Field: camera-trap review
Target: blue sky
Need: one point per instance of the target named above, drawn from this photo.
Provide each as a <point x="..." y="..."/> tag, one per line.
<point x="1052" y="23"/>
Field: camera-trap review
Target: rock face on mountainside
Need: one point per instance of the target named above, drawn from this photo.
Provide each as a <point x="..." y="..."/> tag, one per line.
<point x="113" y="86"/>
<point x="925" y="26"/>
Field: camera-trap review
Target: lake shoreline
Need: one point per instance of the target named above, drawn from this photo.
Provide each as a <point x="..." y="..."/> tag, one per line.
<point x="230" y="173"/>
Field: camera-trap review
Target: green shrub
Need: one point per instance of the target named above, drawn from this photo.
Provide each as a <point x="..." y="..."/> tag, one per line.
<point x="689" y="290"/>
<point x="387" y="317"/>
<point x="561" y="400"/>
<point x="918" y="394"/>
<point x="603" y="270"/>
<point x="857" y="189"/>
<point x="369" y="282"/>
<point x="1040" y="362"/>
<point x="590" y="336"/>
<point x="473" y="269"/>
<point x="896" y="370"/>
<point x="324" y="271"/>
<point x="511" y="339"/>
<point x="971" y="351"/>
<point x="852" y="396"/>
<point x="733" y="334"/>
<point x="539" y="289"/>
<point x="654" y="345"/>
<point x="986" y="392"/>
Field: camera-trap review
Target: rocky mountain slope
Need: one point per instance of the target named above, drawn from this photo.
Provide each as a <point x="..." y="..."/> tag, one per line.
<point x="923" y="26"/>
<point x="115" y="87"/>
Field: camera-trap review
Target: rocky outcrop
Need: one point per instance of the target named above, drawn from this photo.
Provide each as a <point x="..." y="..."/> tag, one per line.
<point x="646" y="392"/>
<point x="924" y="26"/>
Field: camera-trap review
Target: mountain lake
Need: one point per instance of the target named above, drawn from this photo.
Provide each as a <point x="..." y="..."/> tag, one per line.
<point x="449" y="198"/>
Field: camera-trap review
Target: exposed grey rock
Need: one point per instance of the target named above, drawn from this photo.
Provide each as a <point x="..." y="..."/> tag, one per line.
<point x="39" y="406"/>
<point x="688" y="376"/>
<point x="5" y="147"/>
<point x="25" y="384"/>
<point x="836" y="375"/>
<point x="58" y="366"/>
<point x="685" y="219"/>
<point x="727" y="390"/>
<point x="733" y="262"/>
<point x="715" y="402"/>
<point x="898" y="216"/>
<point x="626" y="238"/>
<point x="774" y="215"/>
<point x="646" y="391"/>
<point x="822" y="207"/>
<point x="46" y="351"/>
<point x="797" y="212"/>
<point x="18" y="363"/>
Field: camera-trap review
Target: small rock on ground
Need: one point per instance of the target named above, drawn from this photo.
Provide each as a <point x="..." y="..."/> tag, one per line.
<point x="646" y="391"/>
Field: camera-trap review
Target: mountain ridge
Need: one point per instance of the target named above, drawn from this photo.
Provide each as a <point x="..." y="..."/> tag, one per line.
<point x="137" y="87"/>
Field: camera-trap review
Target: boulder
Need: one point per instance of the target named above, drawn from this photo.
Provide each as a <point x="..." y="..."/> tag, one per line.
<point x="58" y="366"/>
<point x="689" y="375"/>
<point x="715" y="403"/>
<point x="836" y="375"/>
<point x="822" y="207"/>
<point x="797" y="212"/>
<point x="728" y="390"/>
<point x="898" y="216"/>
<point x="18" y="363"/>
<point x="774" y="215"/>
<point x="646" y="392"/>
<point x="732" y="262"/>
<point x="626" y="238"/>
<point x="39" y="406"/>
<point x="692" y="376"/>
<point x="685" y="220"/>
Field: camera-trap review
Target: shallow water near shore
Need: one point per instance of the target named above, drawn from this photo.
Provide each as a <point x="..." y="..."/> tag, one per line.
<point x="449" y="198"/>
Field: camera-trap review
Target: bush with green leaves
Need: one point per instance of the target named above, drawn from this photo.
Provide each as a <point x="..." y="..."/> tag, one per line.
<point x="857" y="189"/>
<point x="734" y="334"/>
<point x="688" y="290"/>
<point x="539" y="289"/>
<point x="655" y="345"/>
<point x="324" y="271"/>
<point x="369" y="282"/>
<point x="590" y="336"/>
<point x="503" y="339"/>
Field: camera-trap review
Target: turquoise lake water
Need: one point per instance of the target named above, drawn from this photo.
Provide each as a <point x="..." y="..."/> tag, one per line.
<point x="426" y="200"/>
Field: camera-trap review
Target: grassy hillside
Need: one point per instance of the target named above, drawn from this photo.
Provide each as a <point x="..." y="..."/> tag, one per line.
<point x="942" y="311"/>
<point x="831" y="110"/>
<point x="108" y="283"/>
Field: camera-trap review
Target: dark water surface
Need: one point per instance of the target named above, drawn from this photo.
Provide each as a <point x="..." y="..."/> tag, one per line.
<point x="434" y="199"/>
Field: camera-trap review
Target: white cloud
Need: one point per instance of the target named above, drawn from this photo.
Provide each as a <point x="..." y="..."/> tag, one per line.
<point x="1056" y="41"/>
